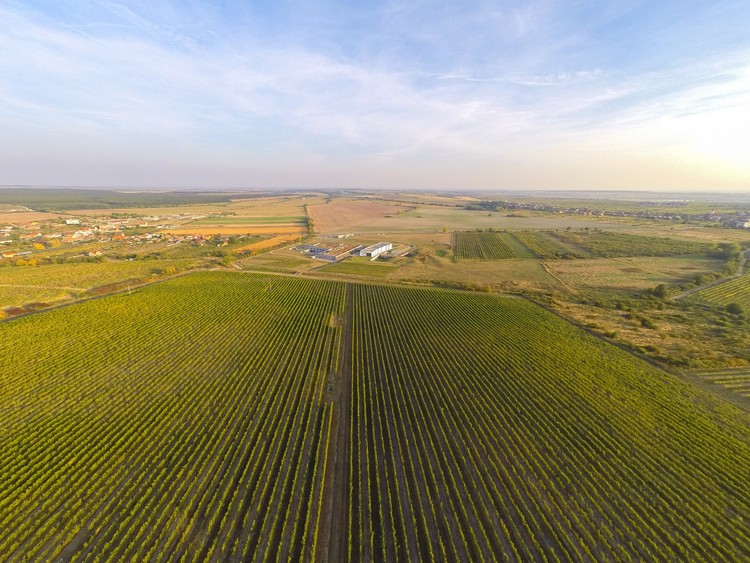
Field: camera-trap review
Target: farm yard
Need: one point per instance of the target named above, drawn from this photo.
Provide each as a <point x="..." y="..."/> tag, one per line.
<point x="231" y="416"/>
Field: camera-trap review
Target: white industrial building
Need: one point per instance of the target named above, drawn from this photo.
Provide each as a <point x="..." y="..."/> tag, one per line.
<point x="376" y="249"/>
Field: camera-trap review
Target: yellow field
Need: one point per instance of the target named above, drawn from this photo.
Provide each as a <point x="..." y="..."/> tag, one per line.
<point x="248" y="207"/>
<point x="23" y="217"/>
<point x="207" y="230"/>
<point x="264" y="244"/>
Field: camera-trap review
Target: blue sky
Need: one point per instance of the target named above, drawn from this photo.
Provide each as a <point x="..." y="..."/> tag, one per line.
<point x="428" y="94"/>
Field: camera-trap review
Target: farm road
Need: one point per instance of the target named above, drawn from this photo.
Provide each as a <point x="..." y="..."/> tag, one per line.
<point x="337" y="491"/>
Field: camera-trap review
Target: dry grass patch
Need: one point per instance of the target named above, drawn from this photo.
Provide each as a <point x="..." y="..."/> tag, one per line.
<point x="30" y="217"/>
<point x="272" y="242"/>
<point x="630" y="273"/>
<point x="339" y="216"/>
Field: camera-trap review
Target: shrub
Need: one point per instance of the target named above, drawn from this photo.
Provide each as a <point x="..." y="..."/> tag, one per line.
<point x="735" y="309"/>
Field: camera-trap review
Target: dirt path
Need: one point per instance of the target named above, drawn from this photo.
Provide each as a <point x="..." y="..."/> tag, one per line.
<point x="740" y="271"/>
<point x="333" y="532"/>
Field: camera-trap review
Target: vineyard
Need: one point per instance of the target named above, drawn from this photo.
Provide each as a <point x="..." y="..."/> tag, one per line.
<point x="544" y="245"/>
<point x="227" y="416"/>
<point x="485" y="427"/>
<point x="736" y="380"/>
<point x="736" y="290"/>
<point x="184" y="421"/>
<point x="481" y="246"/>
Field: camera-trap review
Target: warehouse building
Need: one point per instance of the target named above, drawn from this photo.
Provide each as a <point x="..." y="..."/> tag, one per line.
<point x="376" y="249"/>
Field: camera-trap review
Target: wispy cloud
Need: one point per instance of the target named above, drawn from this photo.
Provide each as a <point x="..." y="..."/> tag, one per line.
<point x="393" y="86"/>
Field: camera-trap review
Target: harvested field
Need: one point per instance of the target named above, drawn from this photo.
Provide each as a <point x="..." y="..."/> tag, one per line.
<point x="241" y="230"/>
<point x="272" y="242"/>
<point x="22" y="217"/>
<point x="344" y="215"/>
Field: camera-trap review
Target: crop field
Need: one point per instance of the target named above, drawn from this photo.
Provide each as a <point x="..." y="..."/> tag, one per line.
<point x="186" y="420"/>
<point x="233" y="221"/>
<point x="228" y="416"/>
<point x="736" y="380"/>
<point x="482" y="246"/>
<point x="609" y="243"/>
<point x="544" y="246"/>
<point x="453" y="459"/>
<point x="736" y="290"/>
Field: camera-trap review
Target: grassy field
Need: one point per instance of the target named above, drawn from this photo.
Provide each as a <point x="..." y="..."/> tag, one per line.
<point x="435" y="218"/>
<point x="605" y="243"/>
<point x="361" y="266"/>
<point x="226" y="416"/>
<point x="500" y="275"/>
<point x="617" y="275"/>
<point x="278" y="261"/>
<point x="22" y="285"/>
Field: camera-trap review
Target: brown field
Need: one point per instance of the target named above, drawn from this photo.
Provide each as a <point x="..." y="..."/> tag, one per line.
<point x="340" y="216"/>
<point x="30" y="216"/>
<point x="264" y="244"/>
<point x="435" y="218"/>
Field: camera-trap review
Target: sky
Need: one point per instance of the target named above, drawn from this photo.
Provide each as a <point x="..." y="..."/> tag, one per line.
<point x="613" y="95"/>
